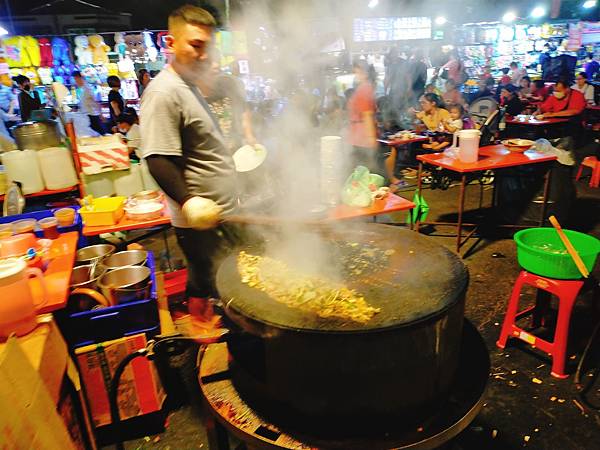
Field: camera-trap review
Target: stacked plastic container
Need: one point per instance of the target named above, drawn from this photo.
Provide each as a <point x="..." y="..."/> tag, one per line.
<point x="51" y="168"/>
<point x="331" y="169"/>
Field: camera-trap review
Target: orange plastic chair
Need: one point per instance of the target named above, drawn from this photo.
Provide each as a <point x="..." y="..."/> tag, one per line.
<point x="593" y="163"/>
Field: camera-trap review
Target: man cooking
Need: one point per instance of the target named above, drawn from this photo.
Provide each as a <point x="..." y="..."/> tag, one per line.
<point x="187" y="154"/>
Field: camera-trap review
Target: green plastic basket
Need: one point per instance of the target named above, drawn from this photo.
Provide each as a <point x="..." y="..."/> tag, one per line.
<point x="540" y="251"/>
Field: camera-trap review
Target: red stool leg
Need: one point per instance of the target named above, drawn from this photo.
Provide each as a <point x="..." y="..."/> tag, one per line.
<point x="511" y="311"/>
<point x="579" y="172"/>
<point x="595" y="179"/>
<point x="561" y="335"/>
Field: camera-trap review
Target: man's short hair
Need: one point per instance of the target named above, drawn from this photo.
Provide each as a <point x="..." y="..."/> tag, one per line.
<point x="20" y="79"/>
<point x="77" y="74"/>
<point x="564" y="81"/>
<point x="193" y="15"/>
<point x="113" y="81"/>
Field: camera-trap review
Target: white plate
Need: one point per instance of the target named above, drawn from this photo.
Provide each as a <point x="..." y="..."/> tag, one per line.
<point x="248" y="158"/>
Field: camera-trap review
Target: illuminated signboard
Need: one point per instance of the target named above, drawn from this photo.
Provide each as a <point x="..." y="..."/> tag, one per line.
<point x="391" y="29"/>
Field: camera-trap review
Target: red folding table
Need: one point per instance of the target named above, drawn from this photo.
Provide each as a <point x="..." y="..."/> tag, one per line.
<point x="492" y="157"/>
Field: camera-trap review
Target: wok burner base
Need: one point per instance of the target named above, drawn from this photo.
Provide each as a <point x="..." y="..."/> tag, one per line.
<point x="228" y="412"/>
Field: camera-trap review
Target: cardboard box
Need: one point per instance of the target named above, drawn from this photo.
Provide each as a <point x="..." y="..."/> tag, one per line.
<point x="140" y="390"/>
<point x="33" y="370"/>
<point x="32" y="420"/>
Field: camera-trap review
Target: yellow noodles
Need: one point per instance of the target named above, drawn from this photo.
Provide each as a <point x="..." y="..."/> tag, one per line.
<point x="308" y="293"/>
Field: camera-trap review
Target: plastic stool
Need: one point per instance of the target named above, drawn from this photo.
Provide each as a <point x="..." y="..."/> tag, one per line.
<point x="593" y="163"/>
<point x="566" y="291"/>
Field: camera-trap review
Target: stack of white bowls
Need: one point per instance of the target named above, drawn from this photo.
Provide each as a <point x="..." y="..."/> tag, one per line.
<point x="331" y="169"/>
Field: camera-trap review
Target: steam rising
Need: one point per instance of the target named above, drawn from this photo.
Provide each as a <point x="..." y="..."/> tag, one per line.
<point x="293" y="140"/>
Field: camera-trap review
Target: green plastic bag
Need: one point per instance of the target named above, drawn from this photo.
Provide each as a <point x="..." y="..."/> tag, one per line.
<point x="376" y="180"/>
<point x="356" y="190"/>
<point x="420" y="211"/>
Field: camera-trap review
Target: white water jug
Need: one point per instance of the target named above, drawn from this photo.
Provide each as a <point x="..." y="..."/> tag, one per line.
<point x="23" y="166"/>
<point x="468" y="145"/>
<point x="57" y="167"/>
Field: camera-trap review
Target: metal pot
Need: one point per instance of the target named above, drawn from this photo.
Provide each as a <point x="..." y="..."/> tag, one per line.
<point x="85" y="277"/>
<point x="126" y="284"/>
<point x="83" y="285"/>
<point x="93" y="254"/>
<point x="336" y="376"/>
<point x="36" y="135"/>
<point x="125" y="259"/>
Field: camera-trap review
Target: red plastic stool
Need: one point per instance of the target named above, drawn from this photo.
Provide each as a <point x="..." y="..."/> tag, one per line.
<point x="566" y="291"/>
<point x="593" y="163"/>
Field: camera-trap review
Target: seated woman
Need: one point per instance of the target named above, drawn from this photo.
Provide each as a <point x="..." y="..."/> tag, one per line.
<point x="525" y="87"/>
<point x="510" y="102"/>
<point x="582" y="85"/>
<point x="433" y="115"/>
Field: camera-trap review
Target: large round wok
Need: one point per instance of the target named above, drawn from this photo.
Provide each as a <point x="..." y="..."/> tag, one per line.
<point x="336" y="375"/>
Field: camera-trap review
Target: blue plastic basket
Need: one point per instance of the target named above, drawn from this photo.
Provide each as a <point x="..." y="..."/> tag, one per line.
<point x="99" y="325"/>
<point x="38" y="215"/>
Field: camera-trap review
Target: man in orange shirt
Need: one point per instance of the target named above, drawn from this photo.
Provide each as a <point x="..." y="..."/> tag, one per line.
<point x="564" y="103"/>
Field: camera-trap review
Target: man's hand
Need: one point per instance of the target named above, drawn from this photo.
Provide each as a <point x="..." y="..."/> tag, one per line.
<point x="201" y="213"/>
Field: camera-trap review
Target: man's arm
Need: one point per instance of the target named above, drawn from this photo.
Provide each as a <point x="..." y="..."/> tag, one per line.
<point x="167" y="172"/>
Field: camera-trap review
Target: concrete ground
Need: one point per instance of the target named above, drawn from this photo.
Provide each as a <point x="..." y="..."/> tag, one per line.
<point x="524" y="406"/>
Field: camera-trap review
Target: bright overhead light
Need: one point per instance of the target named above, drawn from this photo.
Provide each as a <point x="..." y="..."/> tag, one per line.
<point x="440" y="20"/>
<point x="509" y="17"/>
<point x="373" y="3"/>
<point x="538" y="11"/>
<point x="3" y="31"/>
<point x="589" y="4"/>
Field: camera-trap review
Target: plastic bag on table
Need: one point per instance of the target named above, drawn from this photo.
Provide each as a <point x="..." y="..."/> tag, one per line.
<point x="565" y="157"/>
<point x="356" y="191"/>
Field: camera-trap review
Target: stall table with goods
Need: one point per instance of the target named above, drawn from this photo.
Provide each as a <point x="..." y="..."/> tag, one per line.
<point x="492" y="157"/>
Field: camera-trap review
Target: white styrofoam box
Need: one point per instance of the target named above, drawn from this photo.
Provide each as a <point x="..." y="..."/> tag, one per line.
<point x="128" y="182"/>
<point x="102" y="154"/>
<point x="100" y="184"/>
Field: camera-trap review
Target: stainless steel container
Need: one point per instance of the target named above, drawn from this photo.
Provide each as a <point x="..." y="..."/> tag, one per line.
<point x="93" y="254"/>
<point x="125" y="259"/>
<point x="126" y="284"/>
<point x="36" y="135"/>
<point x="85" y="277"/>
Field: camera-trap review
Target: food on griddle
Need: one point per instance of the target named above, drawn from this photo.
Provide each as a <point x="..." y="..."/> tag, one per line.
<point x="361" y="259"/>
<point x="308" y="293"/>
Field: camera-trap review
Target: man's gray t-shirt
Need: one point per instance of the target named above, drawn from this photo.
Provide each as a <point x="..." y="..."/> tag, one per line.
<point x="174" y="122"/>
